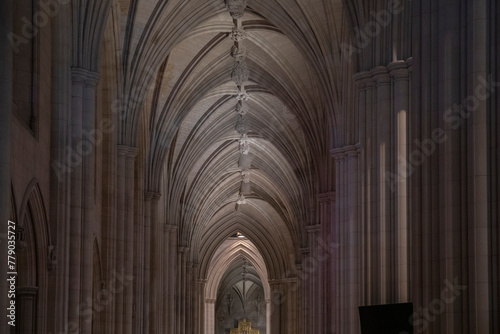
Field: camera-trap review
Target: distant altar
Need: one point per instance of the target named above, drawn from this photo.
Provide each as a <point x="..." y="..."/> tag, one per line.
<point x="244" y="327"/>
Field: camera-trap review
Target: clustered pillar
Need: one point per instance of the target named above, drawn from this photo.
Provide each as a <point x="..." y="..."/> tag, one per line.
<point x="371" y="257"/>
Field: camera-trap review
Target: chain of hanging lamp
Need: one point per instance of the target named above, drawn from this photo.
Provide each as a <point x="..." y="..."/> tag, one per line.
<point x="239" y="75"/>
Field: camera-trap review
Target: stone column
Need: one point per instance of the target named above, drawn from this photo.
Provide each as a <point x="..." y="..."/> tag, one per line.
<point x="139" y="260"/>
<point x="156" y="239"/>
<point x="26" y="309"/>
<point x="130" y="236"/>
<point x="171" y="279"/>
<point x="210" y="316"/>
<point x="6" y="77"/>
<point x="384" y="199"/>
<point x="149" y="198"/>
<point x="60" y="179"/>
<point x="122" y="152"/>
<point x="88" y="189"/>
<point x="339" y="234"/>
<point x="353" y="237"/>
<point x="76" y="233"/>
<point x="202" y="283"/>
<point x="82" y="194"/>
<point x="366" y="167"/>
<point x="290" y="314"/>
<point x="168" y="265"/>
<point x="398" y="70"/>
<point x="181" y="288"/>
<point x="453" y="241"/>
<point x="313" y="267"/>
<point x="483" y="143"/>
<point x="347" y="194"/>
<point x="268" y="316"/>
<point x="326" y="217"/>
<point x="305" y="290"/>
<point x="192" y="293"/>
<point x="276" y="306"/>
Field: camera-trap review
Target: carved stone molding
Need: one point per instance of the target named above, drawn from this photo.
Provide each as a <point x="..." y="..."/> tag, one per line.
<point x="245" y="176"/>
<point x="241" y="199"/>
<point x="363" y="79"/>
<point x="326" y="197"/>
<point x="242" y="125"/>
<point x="238" y="35"/>
<point x="240" y="73"/>
<point x="151" y="196"/>
<point x="51" y="258"/>
<point x="236" y="7"/>
<point x="313" y="228"/>
<point x="241" y="108"/>
<point x="27" y="291"/>
<point x="409" y="61"/>
<point x="381" y="75"/>
<point x="398" y="70"/>
<point x="350" y="151"/>
<point x="127" y="151"/>
<point x="183" y="249"/>
<point x="171" y="228"/>
<point x="239" y="52"/>
<point x="84" y="77"/>
<point x="244" y="145"/>
<point x="242" y="95"/>
<point x="20" y="242"/>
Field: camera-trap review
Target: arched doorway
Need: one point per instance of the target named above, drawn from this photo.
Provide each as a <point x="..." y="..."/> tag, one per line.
<point x="237" y="278"/>
<point x="34" y="258"/>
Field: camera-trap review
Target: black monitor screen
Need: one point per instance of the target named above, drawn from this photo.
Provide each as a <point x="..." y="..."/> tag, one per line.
<point x="386" y="319"/>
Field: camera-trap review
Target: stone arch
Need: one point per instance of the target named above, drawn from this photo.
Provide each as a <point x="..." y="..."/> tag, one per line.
<point x="273" y="257"/>
<point x="35" y="258"/>
<point x="228" y="252"/>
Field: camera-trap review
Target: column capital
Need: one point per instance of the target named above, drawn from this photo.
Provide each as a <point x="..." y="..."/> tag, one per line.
<point x="192" y="265"/>
<point x="348" y="151"/>
<point x="202" y="281"/>
<point x="210" y="301"/>
<point x="92" y="79"/>
<point x="363" y="79"/>
<point x="326" y="197"/>
<point x="304" y="250"/>
<point x="78" y="75"/>
<point x="85" y="77"/>
<point x="274" y="283"/>
<point x="183" y="249"/>
<point x="289" y="280"/>
<point x="381" y="75"/>
<point x="313" y="228"/>
<point x="337" y="153"/>
<point x="151" y="196"/>
<point x="398" y="69"/>
<point x="27" y="291"/>
<point x="171" y="228"/>
<point x="409" y="61"/>
<point x="352" y="151"/>
<point x="127" y="151"/>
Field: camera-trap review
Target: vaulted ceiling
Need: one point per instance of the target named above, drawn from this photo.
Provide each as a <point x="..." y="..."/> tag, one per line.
<point x="181" y="109"/>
